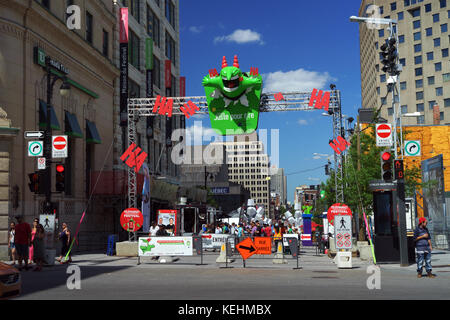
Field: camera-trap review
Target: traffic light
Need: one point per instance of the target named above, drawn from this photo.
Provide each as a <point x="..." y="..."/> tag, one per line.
<point x="37" y="183"/>
<point x="327" y="170"/>
<point x="388" y="56"/>
<point x="386" y="166"/>
<point x="60" y="170"/>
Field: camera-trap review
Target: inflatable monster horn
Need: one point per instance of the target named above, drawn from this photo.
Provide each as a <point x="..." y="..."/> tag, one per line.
<point x="236" y="62"/>
<point x="224" y="62"/>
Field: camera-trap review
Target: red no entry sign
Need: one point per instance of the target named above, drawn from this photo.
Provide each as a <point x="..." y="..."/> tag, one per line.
<point x="59" y="143"/>
<point x="384" y="131"/>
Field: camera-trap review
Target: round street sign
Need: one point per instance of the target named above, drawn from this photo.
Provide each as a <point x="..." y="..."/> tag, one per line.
<point x="384" y="131"/>
<point x="35" y="148"/>
<point x="59" y="143"/>
<point x="412" y="148"/>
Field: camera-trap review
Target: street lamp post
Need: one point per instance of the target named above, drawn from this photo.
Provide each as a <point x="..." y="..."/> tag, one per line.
<point x="51" y="80"/>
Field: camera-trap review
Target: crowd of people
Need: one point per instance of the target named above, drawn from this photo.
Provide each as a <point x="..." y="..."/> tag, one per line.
<point x="27" y="244"/>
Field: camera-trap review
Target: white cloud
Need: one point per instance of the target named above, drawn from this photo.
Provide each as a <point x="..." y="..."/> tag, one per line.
<point x="195" y="29"/>
<point x="295" y="80"/>
<point x="302" y="122"/>
<point x="198" y="134"/>
<point x="241" y="36"/>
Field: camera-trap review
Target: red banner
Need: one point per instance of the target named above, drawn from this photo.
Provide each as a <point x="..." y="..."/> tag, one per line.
<point x="182" y="86"/>
<point x="123" y="25"/>
<point x="168" y="73"/>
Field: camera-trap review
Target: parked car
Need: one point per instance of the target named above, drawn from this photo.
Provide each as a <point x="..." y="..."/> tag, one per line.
<point x="10" y="281"/>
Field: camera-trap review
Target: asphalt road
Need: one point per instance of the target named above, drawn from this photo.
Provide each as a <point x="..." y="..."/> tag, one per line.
<point x="104" y="277"/>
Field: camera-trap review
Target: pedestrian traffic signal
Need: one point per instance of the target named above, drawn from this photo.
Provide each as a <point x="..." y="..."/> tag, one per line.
<point x="386" y="165"/>
<point x="60" y="170"/>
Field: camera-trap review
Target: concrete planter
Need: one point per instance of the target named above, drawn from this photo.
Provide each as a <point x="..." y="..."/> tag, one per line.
<point x="365" y="252"/>
<point x="127" y="249"/>
<point x="361" y="243"/>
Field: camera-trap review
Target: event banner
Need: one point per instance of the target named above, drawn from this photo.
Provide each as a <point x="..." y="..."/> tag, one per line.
<point x="215" y="241"/>
<point x="165" y="246"/>
<point x="168" y="218"/>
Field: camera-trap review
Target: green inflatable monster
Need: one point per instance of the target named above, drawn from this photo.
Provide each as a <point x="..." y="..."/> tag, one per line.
<point x="233" y="99"/>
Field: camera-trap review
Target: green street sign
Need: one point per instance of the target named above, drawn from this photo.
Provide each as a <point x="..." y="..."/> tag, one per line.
<point x="412" y="148"/>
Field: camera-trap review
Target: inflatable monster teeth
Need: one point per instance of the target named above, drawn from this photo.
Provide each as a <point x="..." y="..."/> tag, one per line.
<point x="233" y="99"/>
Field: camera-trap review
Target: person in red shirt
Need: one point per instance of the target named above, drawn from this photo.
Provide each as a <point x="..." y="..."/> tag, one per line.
<point x="22" y="241"/>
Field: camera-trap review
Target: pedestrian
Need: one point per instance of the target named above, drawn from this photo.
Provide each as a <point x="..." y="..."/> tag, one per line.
<point x="153" y="229"/>
<point x="233" y="229"/>
<point x="218" y="230"/>
<point x="162" y="232"/>
<point x="64" y="236"/>
<point x="39" y="247"/>
<point x="22" y="241"/>
<point x="11" y="245"/>
<point x="277" y="236"/>
<point x="33" y="233"/>
<point x="422" y="239"/>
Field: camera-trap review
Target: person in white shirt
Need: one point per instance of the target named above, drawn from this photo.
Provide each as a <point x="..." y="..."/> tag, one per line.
<point x="153" y="229"/>
<point x="218" y="230"/>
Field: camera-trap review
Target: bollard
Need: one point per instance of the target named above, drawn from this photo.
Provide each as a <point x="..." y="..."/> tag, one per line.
<point x="279" y="256"/>
<point x="222" y="258"/>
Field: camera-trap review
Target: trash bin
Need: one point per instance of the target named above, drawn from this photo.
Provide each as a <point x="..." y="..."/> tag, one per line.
<point x="50" y="255"/>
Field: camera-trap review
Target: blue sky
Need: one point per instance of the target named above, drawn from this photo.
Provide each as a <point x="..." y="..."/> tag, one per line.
<point x="294" y="44"/>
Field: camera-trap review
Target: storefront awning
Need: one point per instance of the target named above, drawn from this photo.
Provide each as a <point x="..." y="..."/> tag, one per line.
<point x="92" y="135"/>
<point x="72" y="127"/>
<point x="43" y="117"/>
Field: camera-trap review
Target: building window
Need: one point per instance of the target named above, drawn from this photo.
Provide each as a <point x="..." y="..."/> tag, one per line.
<point x="436" y="17"/>
<point x="420" y="119"/>
<point x="429" y="32"/>
<point x="444" y="52"/>
<point x="153" y="27"/>
<point x="438" y="66"/>
<point x="419" y="107"/>
<point x="381" y="33"/>
<point x="431" y="80"/>
<point x="446" y="77"/>
<point x="443" y="3"/>
<point x="46" y="4"/>
<point x="134" y="9"/>
<point x="134" y="91"/>
<point x="89" y="23"/>
<point x="401" y="39"/>
<point x="403" y="85"/>
<point x="68" y="4"/>
<point x="419" y="95"/>
<point x="170" y="12"/>
<point x="134" y="51"/>
<point x="441" y="115"/>
<point x="418" y="71"/>
<point x="415" y="13"/>
<point x="400" y="16"/>
<point x="418" y="60"/>
<point x="383" y="101"/>
<point x="390" y="111"/>
<point x="416" y="24"/>
<point x="156" y="72"/>
<point x="403" y="62"/>
<point x="393" y="6"/>
<point x="430" y="56"/>
<point x="406" y="3"/>
<point x="417" y="47"/>
<point x="444" y="28"/>
<point x="447" y="102"/>
<point x="417" y="36"/>
<point x="419" y="83"/>
<point x="439" y="91"/>
<point x="105" y="43"/>
<point x="378" y="90"/>
<point x="428" y="7"/>
<point x="437" y="42"/>
<point x="431" y="104"/>
<point x="382" y="78"/>
<point x="170" y="48"/>
<point x="404" y="109"/>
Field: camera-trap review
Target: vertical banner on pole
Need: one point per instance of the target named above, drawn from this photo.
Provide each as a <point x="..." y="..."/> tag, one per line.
<point x="168" y="74"/>
<point x="182" y="86"/>
<point x="123" y="38"/>
<point x="149" y="54"/>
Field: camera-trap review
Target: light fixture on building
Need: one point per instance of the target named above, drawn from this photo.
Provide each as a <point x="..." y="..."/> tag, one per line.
<point x="64" y="90"/>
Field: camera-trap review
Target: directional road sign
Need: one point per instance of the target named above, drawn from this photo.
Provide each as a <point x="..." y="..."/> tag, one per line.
<point x="246" y="248"/>
<point x="33" y="134"/>
<point x="412" y="148"/>
<point x="35" y="148"/>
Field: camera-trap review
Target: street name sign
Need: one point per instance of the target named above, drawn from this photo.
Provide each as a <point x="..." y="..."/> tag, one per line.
<point x="35" y="148"/>
<point x="59" y="146"/>
<point x="384" y="135"/>
<point x="343" y="231"/>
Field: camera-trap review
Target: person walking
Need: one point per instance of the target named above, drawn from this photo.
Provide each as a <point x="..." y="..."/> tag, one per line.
<point x="39" y="247"/>
<point x="153" y="229"/>
<point x="22" y="241"/>
<point x="64" y="236"/>
<point x="11" y="245"/>
<point x="33" y="234"/>
<point x="422" y="239"/>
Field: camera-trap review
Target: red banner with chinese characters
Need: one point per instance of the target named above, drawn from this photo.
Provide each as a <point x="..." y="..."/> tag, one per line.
<point x="182" y="86"/>
<point x="123" y="25"/>
<point x="168" y="73"/>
